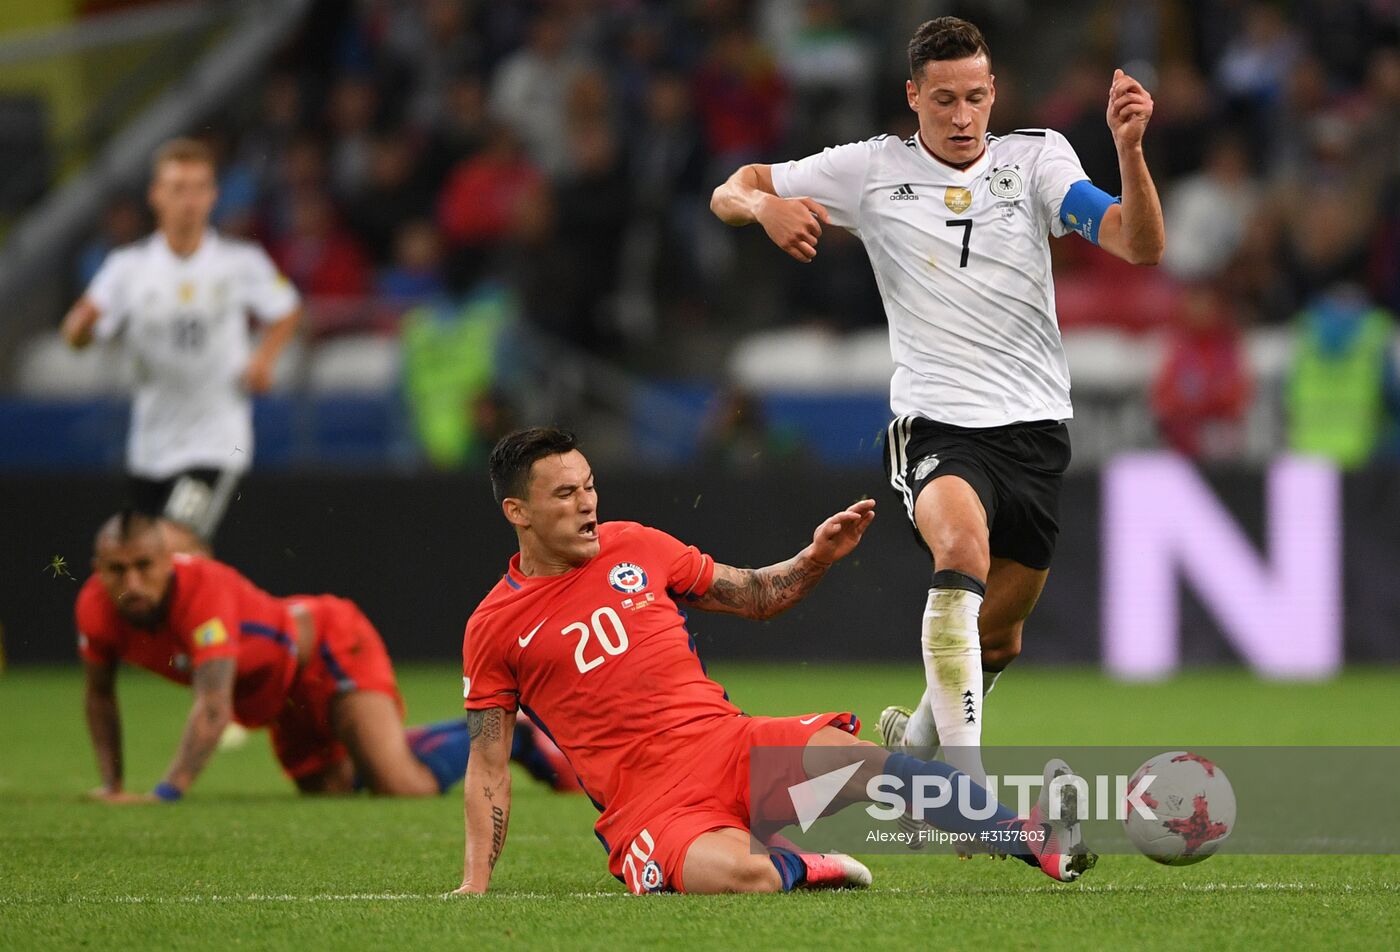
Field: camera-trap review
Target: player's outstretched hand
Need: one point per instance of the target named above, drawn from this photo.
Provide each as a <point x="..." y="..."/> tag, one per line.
<point x="835" y="538"/>
<point x="1129" y="109"/>
<point x="466" y="889"/>
<point x="103" y="795"/>
<point x="794" y="224"/>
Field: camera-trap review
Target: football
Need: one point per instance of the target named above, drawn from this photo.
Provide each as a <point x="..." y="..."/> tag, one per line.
<point x="1193" y="806"/>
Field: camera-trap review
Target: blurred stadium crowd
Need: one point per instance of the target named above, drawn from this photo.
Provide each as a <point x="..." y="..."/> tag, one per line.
<point x="550" y="164"/>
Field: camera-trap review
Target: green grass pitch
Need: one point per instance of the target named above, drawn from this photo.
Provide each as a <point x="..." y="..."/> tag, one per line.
<point x="244" y="863"/>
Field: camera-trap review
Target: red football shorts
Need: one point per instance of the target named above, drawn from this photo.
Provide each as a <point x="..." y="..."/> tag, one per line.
<point x="650" y="857"/>
<point x="348" y="656"/>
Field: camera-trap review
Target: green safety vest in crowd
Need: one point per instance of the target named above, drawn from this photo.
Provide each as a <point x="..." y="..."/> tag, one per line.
<point x="1336" y="401"/>
<point x="449" y="362"/>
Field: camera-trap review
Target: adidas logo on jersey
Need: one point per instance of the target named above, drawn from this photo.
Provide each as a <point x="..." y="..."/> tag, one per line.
<point x="904" y="193"/>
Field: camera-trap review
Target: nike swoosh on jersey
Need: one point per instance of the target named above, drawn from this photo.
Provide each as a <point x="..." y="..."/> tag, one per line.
<point x="808" y="720"/>
<point x="526" y="640"/>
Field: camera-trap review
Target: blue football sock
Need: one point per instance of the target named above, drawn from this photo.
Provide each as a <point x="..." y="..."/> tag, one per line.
<point x="443" y="748"/>
<point x="951" y="817"/>
<point x="524" y="752"/>
<point x="791" y="868"/>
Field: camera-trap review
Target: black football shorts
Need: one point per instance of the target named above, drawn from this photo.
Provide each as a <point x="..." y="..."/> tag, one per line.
<point x="1016" y="471"/>
<point x="196" y="498"/>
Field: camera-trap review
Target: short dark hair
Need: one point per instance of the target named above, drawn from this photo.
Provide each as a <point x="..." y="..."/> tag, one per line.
<point x="946" y="38"/>
<point x="515" y="453"/>
<point x="125" y="526"/>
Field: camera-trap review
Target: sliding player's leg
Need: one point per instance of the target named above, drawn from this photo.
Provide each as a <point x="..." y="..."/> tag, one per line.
<point x="729" y="861"/>
<point x="724" y="861"/>
<point x="952" y="521"/>
<point x="1037" y="840"/>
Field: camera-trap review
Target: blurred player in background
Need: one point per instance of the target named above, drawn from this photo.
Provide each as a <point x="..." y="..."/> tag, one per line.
<point x="181" y="298"/>
<point x="955" y="223"/>
<point x="311" y="668"/>
<point x="583" y="634"/>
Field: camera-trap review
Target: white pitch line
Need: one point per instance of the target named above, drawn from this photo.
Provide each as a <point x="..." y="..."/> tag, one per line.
<point x="282" y="898"/>
<point x="1263" y="887"/>
<point x="1166" y="888"/>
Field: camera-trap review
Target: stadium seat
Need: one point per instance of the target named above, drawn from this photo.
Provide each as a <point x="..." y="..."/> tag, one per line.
<point x="362" y="363"/>
<point x="1269" y="351"/>
<point x="1111" y="361"/>
<point x="812" y="360"/>
<point x="291" y="368"/>
<point x="47" y="367"/>
<point x="796" y="359"/>
<point x="866" y="360"/>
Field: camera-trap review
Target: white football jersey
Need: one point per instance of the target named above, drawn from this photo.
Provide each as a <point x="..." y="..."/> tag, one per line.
<point x="963" y="266"/>
<point x="185" y="320"/>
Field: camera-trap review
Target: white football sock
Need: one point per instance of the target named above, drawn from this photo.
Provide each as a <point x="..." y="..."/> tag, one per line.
<point x="921" y="731"/>
<point x="952" y="652"/>
<point x="989" y="681"/>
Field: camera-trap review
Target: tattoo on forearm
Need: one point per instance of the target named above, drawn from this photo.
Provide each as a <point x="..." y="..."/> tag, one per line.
<point x="202" y="736"/>
<point x="216" y="675"/>
<point x="762" y="593"/>
<point x="498" y="834"/>
<point x="485" y="726"/>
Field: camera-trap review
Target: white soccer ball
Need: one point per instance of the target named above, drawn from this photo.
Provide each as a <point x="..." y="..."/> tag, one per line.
<point x="1193" y="806"/>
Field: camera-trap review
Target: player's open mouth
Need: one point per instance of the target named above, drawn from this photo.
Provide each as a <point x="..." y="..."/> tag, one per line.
<point x="589" y="530"/>
<point x="961" y="140"/>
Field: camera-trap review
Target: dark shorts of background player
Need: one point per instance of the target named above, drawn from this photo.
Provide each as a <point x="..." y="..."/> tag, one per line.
<point x="1016" y="471"/>
<point x="196" y="498"/>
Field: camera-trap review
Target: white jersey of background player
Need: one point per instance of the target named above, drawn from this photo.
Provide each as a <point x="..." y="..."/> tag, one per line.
<point x="180" y="298"/>
<point x="956" y="224"/>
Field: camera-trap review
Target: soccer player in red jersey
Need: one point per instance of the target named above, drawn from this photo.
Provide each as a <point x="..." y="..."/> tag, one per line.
<point x="311" y="668"/>
<point x="584" y="635"/>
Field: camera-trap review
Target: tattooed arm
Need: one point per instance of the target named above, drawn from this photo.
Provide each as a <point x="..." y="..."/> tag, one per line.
<point x="213" y="709"/>
<point x="487" y="795"/>
<point x="763" y="593"/>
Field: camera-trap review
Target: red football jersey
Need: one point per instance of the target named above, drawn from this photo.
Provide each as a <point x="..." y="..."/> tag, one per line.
<point x="214" y="612"/>
<point x="601" y="659"/>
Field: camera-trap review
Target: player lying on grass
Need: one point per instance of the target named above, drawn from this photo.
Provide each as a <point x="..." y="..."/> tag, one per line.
<point x="311" y="668"/>
<point x="584" y="635"/>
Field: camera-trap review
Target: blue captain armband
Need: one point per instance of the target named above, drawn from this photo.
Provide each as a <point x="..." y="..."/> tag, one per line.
<point x="1084" y="207"/>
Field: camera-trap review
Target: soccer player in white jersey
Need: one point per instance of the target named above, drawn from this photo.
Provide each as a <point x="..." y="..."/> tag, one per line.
<point x="182" y="297"/>
<point x="955" y="223"/>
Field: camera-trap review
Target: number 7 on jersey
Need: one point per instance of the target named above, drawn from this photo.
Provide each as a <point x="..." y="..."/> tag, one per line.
<point x="966" y="225"/>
